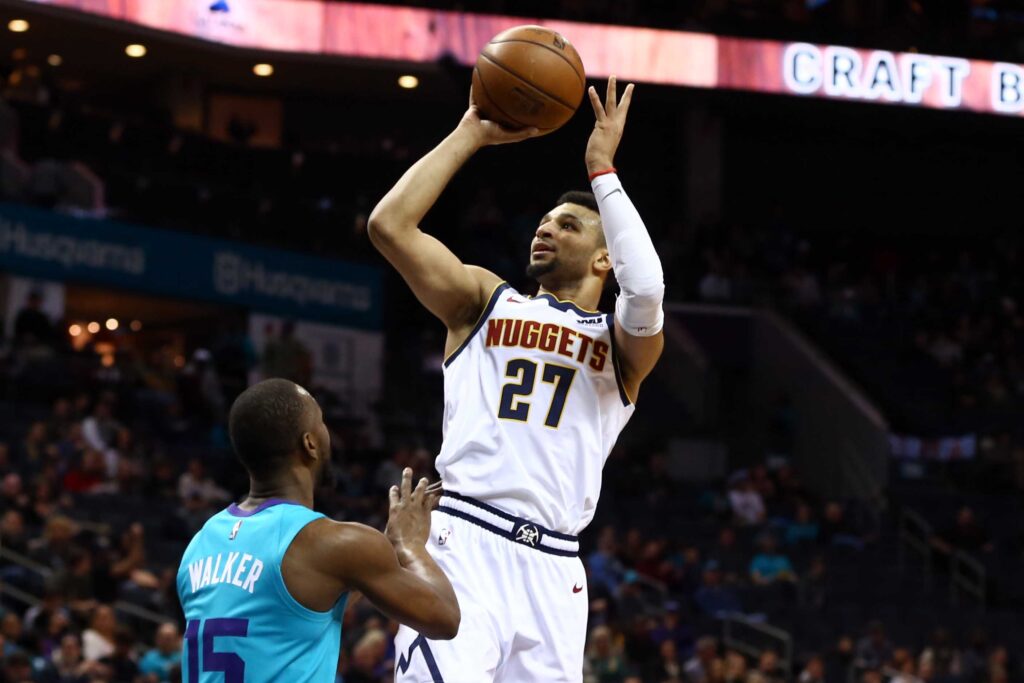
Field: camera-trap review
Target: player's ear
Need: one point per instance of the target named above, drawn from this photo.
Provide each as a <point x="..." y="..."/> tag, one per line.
<point x="309" y="446"/>
<point x="602" y="261"/>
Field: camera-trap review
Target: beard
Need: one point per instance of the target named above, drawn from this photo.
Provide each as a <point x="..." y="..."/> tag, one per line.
<point x="535" y="271"/>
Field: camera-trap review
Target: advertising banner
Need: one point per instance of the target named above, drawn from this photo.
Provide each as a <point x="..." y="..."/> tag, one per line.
<point x="44" y="244"/>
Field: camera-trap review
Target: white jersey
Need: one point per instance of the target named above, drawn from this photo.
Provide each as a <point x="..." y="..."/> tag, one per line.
<point x="533" y="403"/>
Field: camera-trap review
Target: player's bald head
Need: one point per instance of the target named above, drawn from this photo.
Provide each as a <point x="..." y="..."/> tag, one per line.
<point x="267" y="423"/>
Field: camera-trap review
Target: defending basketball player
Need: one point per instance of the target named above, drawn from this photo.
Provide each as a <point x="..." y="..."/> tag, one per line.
<point x="537" y="390"/>
<point x="264" y="583"/>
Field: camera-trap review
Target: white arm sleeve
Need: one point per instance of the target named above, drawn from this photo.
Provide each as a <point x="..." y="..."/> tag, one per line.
<point x="635" y="262"/>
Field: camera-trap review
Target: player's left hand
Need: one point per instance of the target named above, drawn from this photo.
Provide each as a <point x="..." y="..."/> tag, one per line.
<point x="611" y="121"/>
<point x="409" y="515"/>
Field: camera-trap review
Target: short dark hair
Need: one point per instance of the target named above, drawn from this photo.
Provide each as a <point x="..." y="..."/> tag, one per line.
<point x="266" y="423"/>
<point x="580" y="197"/>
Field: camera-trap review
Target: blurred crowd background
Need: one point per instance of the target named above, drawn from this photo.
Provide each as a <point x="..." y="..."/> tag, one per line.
<point x="897" y="256"/>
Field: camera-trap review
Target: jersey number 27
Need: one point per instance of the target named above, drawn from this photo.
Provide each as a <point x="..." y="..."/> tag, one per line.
<point x="524" y="375"/>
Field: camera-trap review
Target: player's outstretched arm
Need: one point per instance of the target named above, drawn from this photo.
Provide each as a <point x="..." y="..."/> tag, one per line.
<point x="393" y="571"/>
<point x="452" y="291"/>
<point x="638" y="309"/>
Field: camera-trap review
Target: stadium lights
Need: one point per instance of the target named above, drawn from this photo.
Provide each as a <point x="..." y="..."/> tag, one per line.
<point x="263" y="70"/>
<point x="408" y="82"/>
<point x="93" y="327"/>
<point x="17" y="26"/>
<point x="75" y="330"/>
<point x="135" y="50"/>
<point x="112" y="324"/>
<point x="136" y="325"/>
<point x="54" y="60"/>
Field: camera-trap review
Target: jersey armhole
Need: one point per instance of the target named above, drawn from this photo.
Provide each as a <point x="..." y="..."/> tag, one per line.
<point x="286" y="595"/>
<point x="491" y="302"/>
<point x="623" y="394"/>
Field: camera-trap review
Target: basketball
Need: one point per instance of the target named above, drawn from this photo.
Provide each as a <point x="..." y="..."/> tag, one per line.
<point x="529" y="76"/>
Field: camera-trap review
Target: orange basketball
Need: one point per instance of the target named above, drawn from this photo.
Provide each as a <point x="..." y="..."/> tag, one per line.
<point x="529" y="76"/>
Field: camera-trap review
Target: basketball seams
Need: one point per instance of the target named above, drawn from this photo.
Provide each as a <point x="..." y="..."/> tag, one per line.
<point x="524" y="81"/>
<point x="494" y="103"/>
<point x="583" y="79"/>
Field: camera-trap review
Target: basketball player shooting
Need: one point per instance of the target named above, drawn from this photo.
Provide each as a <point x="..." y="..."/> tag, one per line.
<point x="264" y="583"/>
<point x="537" y="390"/>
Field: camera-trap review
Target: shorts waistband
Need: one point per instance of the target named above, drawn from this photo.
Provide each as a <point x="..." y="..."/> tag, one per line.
<point x="515" y="529"/>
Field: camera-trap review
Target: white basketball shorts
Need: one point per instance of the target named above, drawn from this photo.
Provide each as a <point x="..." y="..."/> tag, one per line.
<point x="522" y="590"/>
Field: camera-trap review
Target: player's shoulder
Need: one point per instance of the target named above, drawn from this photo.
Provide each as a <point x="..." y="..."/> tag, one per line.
<point x="485" y="279"/>
<point x="331" y="541"/>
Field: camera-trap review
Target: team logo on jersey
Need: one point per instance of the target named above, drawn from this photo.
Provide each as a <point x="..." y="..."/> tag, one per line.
<point x="234" y="530"/>
<point x="442" y="537"/>
<point x="528" y="534"/>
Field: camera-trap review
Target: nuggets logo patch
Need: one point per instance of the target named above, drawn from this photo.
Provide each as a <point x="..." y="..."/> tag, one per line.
<point x="528" y="534"/>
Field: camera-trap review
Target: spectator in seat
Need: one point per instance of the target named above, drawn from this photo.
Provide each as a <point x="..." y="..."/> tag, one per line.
<point x="67" y="665"/>
<point x="874" y="649"/>
<point x="667" y="668"/>
<point x="603" y="662"/>
<point x="745" y="501"/>
<point x="814" y="671"/>
<point x="13" y="495"/>
<point x="100" y="431"/>
<point x="157" y="663"/>
<point x="712" y="597"/>
<point x="735" y="667"/>
<point x="769" y="668"/>
<point x="802" y="529"/>
<point x="903" y="667"/>
<point x="32" y="327"/>
<point x="18" y="668"/>
<point x="121" y="664"/>
<point x="196" y="482"/>
<point x="673" y="627"/>
<point x="88" y="475"/>
<point x="837" y="530"/>
<point x="966" y="534"/>
<point x="606" y="571"/>
<point x="287" y="357"/>
<point x="729" y="556"/>
<point x="770" y="566"/>
<point x="12" y="532"/>
<point x="698" y="667"/>
<point x="99" y="640"/>
<point x="941" y="654"/>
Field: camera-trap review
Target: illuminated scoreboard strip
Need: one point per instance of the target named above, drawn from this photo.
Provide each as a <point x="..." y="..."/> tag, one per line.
<point x="640" y="54"/>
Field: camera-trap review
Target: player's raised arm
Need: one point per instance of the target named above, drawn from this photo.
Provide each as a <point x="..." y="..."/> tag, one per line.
<point x="452" y="291"/>
<point x="638" y="309"/>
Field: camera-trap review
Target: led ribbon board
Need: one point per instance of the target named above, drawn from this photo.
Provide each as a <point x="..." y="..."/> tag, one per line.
<point x="639" y="54"/>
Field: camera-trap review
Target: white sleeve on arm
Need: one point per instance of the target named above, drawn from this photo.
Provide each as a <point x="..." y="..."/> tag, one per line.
<point x="634" y="259"/>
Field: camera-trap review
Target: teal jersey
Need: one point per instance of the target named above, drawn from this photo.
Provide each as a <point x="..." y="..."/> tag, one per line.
<point x="242" y="624"/>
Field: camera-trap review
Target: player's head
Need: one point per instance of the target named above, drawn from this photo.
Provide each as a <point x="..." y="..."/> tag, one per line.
<point x="569" y="244"/>
<point x="277" y="427"/>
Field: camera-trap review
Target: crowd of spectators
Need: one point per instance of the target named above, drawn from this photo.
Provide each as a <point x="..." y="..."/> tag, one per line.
<point x="98" y="506"/>
<point x="935" y="336"/>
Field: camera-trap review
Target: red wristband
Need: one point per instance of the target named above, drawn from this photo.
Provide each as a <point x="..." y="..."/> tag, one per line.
<point x="606" y="171"/>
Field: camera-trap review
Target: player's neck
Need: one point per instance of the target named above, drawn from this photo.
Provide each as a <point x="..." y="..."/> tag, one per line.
<point x="580" y="293"/>
<point x="277" y="489"/>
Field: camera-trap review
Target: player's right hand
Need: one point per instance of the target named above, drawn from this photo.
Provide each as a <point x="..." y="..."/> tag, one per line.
<point x="409" y="516"/>
<point x="487" y="133"/>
